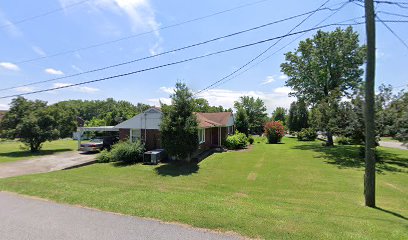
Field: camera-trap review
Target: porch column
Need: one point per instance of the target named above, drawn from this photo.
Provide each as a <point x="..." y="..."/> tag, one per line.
<point x="219" y="136"/>
<point x="130" y="135"/>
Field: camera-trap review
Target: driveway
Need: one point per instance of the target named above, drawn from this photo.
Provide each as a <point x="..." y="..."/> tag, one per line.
<point x="27" y="218"/>
<point x="45" y="164"/>
<point x="397" y="145"/>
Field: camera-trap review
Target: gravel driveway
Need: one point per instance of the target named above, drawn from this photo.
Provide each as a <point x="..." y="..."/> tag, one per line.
<point x="28" y="218"/>
<point x="45" y="164"/>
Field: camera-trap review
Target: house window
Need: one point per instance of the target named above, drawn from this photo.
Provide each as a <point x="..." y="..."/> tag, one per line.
<point x="201" y="135"/>
<point x="230" y="130"/>
<point x="136" y="135"/>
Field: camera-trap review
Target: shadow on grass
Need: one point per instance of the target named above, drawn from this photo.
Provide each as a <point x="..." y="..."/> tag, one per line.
<point x="392" y="213"/>
<point x="175" y="169"/>
<point x="349" y="157"/>
<point x="22" y="154"/>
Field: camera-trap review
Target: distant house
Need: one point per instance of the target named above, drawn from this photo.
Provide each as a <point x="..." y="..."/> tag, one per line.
<point x="213" y="128"/>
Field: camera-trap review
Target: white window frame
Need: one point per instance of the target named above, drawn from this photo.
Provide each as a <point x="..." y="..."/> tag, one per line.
<point x="201" y="135"/>
<point x="136" y="135"/>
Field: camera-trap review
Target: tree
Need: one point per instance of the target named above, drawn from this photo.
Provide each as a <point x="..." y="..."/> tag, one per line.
<point x="179" y="127"/>
<point x="36" y="128"/>
<point x="325" y="68"/>
<point x="241" y="121"/>
<point x="279" y="115"/>
<point x="30" y="121"/>
<point x="255" y="110"/>
<point x="298" y="116"/>
<point x="19" y="109"/>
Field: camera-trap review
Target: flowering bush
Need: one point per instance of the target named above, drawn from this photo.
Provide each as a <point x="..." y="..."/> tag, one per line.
<point x="274" y="131"/>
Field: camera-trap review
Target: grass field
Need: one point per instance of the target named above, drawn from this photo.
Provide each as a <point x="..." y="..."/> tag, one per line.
<point x="292" y="190"/>
<point x="11" y="151"/>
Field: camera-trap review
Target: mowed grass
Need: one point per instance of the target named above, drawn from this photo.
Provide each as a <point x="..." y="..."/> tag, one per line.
<point x="11" y="151"/>
<point x="294" y="190"/>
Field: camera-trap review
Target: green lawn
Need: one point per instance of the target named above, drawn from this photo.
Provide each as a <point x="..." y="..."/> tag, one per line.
<point x="285" y="191"/>
<point x="11" y="151"/>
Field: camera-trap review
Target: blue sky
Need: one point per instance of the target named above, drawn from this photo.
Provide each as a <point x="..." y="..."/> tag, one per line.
<point x="97" y="21"/>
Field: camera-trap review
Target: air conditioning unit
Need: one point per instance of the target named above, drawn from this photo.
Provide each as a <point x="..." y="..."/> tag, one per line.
<point x="153" y="156"/>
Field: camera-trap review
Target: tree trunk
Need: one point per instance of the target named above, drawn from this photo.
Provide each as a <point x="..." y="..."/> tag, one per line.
<point x="369" y="176"/>
<point x="329" y="141"/>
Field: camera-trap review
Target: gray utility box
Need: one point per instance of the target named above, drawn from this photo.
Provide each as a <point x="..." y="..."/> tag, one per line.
<point x="153" y="156"/>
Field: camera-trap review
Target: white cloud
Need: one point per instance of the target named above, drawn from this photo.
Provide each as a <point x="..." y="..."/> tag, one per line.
<point x="278" y="97"/>
<point x="24" y="89"/>
<point x="156" y="101"/>
<point x="156" y="48"/>
<point x="9" y="66"/>
<point x="4" y="106"/>
<point x="282" y="90"/>
<point x="169" y="90"/>
<point x="11" y="28"/>
<point x="76" y="68"/>
<point x="269" y="79"/>
<point x="283" y="77"/>
<point x="81" y="89"/>
<point x="53" y="71"/>
<point x="39" y="51"/>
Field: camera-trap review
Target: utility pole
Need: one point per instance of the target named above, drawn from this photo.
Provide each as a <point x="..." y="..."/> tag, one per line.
<point x="369" y="176"/>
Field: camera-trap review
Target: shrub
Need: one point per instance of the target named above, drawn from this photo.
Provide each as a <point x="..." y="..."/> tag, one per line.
<point x="274" y="131"/>
<point x="250" y="140"/>
<point x="307" y="134"/>
<point x="236" y="141"/>
<point x="127" y="152"/>
<point x="344" y="141"/>
<point x="104" y="157"/>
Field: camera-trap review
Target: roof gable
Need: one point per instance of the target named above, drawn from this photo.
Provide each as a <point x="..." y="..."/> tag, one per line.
<point x="219" y="119"/>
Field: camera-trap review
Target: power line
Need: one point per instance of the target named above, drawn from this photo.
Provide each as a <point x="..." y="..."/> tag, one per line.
<point x="139" y="34"/>
<point x="283" y="47"/>
<point x="166" y="52"/>
<point x="42" y="14"/>
<point x="163" y="53"/>
<point x="393" y="14"/>
<point x="177" y="62"/>
<point x="392" y="31"/>
<point x="262" y="53"/>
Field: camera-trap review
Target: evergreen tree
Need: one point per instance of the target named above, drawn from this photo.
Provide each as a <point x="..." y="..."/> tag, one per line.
<point x="179" y="127"/>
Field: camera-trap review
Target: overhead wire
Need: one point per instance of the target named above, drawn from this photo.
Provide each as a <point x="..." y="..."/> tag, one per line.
<point x="177" y="62"/>
<point x="166" y="52"/>
<point x="262" y="53"/>
<point x="12" y="23"/>
<point x="75" y="50"/>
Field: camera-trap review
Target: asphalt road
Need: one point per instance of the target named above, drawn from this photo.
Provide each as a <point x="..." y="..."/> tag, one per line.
<point x="28" y="218"/>
<point x="45" y="164"/>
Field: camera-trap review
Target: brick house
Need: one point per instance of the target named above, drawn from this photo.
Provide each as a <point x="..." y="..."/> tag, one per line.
<point x="213" y="128"/>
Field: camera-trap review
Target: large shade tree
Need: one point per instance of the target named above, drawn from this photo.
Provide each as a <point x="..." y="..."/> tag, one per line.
<point x="255" y="109"/>
<point x="325" y="68"/>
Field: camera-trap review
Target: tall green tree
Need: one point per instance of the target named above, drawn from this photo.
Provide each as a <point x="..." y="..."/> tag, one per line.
<point x="325" y="68"/>
<point x="298" y="117"/>
<point x="255" y="110"/>
<point x="279" y="115"/>
<point x="179" y="127"/>
<point x="241" y="121"/>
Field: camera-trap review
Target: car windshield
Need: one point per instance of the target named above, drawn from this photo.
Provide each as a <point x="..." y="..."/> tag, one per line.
<point x="96" y="140"/>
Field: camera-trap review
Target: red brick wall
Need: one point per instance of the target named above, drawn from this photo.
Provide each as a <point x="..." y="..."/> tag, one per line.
<point x="153" y="139"/>
<point x="124" y="134"/>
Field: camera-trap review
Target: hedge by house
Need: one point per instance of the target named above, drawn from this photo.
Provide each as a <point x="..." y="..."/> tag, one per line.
<point x="237" y="141"/>
<point x="123" y="152"/>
